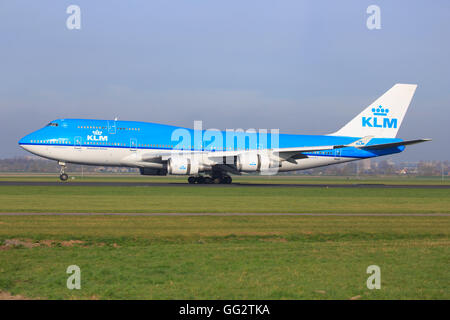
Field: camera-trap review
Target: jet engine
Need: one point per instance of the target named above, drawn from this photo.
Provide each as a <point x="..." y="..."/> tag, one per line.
<point x="253" y="162"/>
<point x="182" y="166"/>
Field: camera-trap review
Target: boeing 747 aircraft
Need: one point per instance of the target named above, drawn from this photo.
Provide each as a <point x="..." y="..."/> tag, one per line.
<point x="209" y="156"/>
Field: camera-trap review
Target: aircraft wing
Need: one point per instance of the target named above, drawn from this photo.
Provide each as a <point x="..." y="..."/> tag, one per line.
<point x="290" y="154"/>
<point x="280" y="154"/>
<point x="297" y="152"/>
<point x="156" y="157"/>
<point x="284" y="154"/>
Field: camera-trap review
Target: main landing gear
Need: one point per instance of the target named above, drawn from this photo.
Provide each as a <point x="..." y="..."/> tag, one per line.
<point x="63" y="176"/>
<point x="225" y="179"/>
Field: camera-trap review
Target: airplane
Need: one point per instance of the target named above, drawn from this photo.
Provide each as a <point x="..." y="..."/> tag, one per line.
<point x="210" y="156"/>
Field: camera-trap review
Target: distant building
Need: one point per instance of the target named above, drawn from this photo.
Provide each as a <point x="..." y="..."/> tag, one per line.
<point x="366" y="165"/>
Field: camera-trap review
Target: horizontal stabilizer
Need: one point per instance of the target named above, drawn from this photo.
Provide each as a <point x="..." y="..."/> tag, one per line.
<point x="393" y="144"/>
<point x="361" y="142"/>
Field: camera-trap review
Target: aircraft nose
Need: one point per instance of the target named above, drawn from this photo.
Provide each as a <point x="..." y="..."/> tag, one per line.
<point x="25" y="141"/>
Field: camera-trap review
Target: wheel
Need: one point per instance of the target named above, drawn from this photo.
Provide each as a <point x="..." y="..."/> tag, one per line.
<point x="201" y="180"/>
<point x="192" y="180"/>
<point x="208" y="180"/>
<point x="64" y="177"/>
<point x="227" y="179"/>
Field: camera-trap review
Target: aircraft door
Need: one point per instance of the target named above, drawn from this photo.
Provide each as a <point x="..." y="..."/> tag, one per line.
<point x="112" y="127"/>
<point x="337" y="154"/>
<point x="77" y="143"/>
<point x="133" y="144"/>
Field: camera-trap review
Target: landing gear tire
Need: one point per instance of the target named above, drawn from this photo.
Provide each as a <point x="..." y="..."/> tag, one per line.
<point x="227" y="180"/>
<point x="192" y="180"/>
<point x="201" y="180"/>
<point x="62" y="172"/>
<point x="208" y="180"/>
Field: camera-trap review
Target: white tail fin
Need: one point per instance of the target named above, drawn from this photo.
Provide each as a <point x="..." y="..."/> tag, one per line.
<point x="383" y="118"/>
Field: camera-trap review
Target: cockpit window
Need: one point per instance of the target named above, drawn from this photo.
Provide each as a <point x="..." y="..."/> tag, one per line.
<point x="52" y="124"/>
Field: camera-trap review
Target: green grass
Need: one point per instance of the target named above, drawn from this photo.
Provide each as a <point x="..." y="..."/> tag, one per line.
<point x="234" y="257"/>
<point x="269" y="257"/>
<point x="221" y="199"/>
<point x="247" y="179"/>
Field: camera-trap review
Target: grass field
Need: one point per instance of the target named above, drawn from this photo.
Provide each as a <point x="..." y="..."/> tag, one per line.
<point x="237" y="179"/>
<point x="227" y="257"/>
<point x="224" y="257"/>
<point x="221" y="199"/>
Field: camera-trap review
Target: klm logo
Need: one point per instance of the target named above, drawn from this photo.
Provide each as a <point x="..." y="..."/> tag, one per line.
<point x="379" y="119"/>
<point x="97" y="136"/>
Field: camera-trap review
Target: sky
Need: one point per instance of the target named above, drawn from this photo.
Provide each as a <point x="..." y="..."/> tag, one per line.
<point x="304" y="67"/>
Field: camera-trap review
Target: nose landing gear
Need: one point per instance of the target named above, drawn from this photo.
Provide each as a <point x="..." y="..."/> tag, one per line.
<point x="62" y="174"/>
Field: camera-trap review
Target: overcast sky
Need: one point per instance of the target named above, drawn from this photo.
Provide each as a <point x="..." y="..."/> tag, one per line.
<point x="305" y="67"/>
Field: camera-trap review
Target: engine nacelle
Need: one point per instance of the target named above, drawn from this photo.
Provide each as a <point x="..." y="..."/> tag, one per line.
<point x="253" y="162"/>
<point x="153" y="172"/>
<point x="267" y="163"/>
<point x="182" y="166"/>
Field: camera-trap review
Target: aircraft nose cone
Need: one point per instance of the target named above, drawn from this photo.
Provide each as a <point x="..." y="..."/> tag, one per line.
<point x="25" y="141"/>
<point x="22" y="141"/>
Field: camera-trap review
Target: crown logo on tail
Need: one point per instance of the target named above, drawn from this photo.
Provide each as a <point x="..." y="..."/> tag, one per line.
<point x="380" y="111"/>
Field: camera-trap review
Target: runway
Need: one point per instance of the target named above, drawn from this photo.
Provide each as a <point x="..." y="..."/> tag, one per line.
<point x="233" y="185"/>
<point x="187" y="214"/>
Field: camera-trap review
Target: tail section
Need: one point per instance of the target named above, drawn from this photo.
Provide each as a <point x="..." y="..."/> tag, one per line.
<point x="382" y="118"/>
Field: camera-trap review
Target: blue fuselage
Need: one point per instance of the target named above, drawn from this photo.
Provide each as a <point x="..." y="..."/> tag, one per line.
<point x="151" y="136"/>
